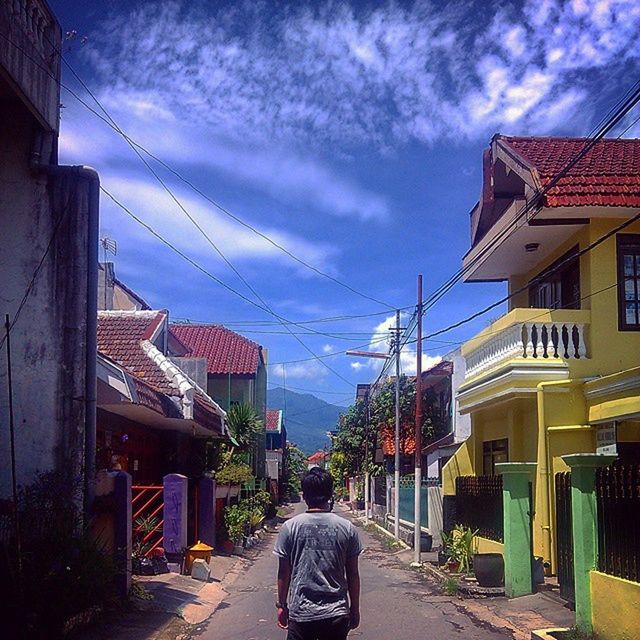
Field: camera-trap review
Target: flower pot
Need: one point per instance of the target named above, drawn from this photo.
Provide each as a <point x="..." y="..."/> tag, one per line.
<point x="489" y="569"/>
<point x="227" y="546"/>
<point x="234" y="490"/>
<point x="453" y="566"/>
<point x="426" y="542"/>
<point x="222" y="490"/>
<point x="359" y="505"/>
<point x="238" y="550"/>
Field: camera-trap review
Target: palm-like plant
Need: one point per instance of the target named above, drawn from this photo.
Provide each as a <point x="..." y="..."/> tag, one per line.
<point x="244" y="423"/>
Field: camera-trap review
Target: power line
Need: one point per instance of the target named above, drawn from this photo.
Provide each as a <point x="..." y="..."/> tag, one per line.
<point x="36" y="272"/>
<point x="627" y="103"/>
<point x="264" y="307"/>
<point x="563" y="262"/>
<point x="110" y="122"/>
<point x="333" y="393"/>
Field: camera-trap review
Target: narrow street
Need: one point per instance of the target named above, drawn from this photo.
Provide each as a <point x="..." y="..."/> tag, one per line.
<point x="396" y="602"/>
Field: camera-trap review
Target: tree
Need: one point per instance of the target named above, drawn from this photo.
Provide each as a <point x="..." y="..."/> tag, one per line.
<point x="295" y="465"/>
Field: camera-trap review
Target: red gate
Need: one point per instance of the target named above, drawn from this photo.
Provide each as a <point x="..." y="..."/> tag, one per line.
<point x="147" y="504"/>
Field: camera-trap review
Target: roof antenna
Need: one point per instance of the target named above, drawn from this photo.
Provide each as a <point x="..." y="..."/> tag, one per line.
<point x="108" y="246"/>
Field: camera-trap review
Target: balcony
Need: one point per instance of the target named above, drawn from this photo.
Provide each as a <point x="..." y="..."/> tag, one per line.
<point x="528" y="336"/>
<point x="30" y="57"/>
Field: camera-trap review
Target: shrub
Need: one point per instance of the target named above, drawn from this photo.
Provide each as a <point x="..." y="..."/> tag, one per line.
<point x="234" y="473"/>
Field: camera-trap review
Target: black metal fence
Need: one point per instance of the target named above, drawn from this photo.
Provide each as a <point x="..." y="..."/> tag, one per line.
<point x="479" y="505"/>
<point x="380" y="490"/>
<point x="564" y="536"/>
<point x="618" y="496"/>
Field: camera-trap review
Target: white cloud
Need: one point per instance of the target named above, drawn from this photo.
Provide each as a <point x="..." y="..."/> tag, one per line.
<point x="327" y="348"/>
<point x="154" y="205"/>
<point x="311" y="370"/>
<point x="307" y="76"/>
<point x="408" y="356"/>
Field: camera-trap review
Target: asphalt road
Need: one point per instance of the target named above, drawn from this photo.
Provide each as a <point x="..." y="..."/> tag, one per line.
<point x="396" y="603"/>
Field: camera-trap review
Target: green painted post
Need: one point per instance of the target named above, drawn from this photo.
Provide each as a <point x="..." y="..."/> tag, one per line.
<point x="585" y="528"/>
<point x="517" y="526"/>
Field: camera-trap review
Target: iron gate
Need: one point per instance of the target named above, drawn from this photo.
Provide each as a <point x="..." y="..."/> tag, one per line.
<point x="564" y="536"/>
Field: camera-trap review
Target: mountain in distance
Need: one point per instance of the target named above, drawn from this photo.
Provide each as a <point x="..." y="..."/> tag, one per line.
<point x="307" y="417"/>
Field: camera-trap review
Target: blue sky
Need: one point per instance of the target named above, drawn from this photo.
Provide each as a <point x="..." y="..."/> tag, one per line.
<point x="350" y="133"/>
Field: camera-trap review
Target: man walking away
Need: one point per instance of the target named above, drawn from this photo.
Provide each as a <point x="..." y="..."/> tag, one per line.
<point x="318" y="567"/>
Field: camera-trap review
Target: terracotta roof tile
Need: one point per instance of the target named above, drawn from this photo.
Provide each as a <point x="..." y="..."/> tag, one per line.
<point x="119" y="338"/>
<point x="608" y="175"/>
<point x="226" y="352"/>
<point x="273" y="420"/>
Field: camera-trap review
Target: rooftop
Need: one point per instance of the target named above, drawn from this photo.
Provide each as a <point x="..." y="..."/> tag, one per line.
<point x="274" y="420"/>
<point x="226" y="352"/>
<point x="608" y="174"/>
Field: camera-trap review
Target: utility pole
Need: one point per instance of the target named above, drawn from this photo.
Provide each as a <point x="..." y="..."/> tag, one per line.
<point x="417" y="530"/>
<point x="396" y="471"/>
<point x="367" y="479"/>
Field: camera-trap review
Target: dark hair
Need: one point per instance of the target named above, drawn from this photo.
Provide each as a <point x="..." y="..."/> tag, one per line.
<point x="317" y="487"/>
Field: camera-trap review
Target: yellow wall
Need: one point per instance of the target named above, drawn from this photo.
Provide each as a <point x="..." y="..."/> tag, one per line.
<point x="615" y="605"/>
<point x="460" y="464"/>
<point x="610" y="350"/>
<point x="484" y="545"/>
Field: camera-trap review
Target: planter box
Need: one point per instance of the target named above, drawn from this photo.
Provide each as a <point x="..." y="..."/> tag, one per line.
<point x="222" y="491"/>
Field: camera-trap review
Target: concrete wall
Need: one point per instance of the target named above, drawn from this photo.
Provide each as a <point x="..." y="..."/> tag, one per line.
<point x="42" y="215"/>
<point x="484" y="545"/>
<point x="615" y="607"/>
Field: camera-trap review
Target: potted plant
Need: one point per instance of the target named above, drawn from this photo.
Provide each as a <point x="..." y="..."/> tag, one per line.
<point x="459" y="548"/>
<point x="235" y="520"/>
<point x="231" y="476"/>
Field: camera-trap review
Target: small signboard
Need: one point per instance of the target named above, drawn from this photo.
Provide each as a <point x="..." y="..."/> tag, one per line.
<point x="606" y="439"/>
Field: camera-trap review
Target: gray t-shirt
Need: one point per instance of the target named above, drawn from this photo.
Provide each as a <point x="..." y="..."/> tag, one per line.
<point x="317" y="545"/>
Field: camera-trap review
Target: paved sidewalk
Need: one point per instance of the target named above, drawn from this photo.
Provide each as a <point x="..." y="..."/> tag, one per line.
<point x="519" y="615"/>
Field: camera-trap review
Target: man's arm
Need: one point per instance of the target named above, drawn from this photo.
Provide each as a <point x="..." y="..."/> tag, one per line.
<point x="353" y="584"/>
<point x="284" y="578"/>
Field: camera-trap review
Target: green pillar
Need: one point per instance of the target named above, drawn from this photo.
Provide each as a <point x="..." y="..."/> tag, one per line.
<point x="517" y="526"/>
<point x="585" y="528"/>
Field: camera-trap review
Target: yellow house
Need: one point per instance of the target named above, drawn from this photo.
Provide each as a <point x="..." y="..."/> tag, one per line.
<point x="559" y="373"/>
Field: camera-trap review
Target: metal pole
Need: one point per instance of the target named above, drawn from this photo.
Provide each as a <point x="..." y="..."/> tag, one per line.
<point x="14" y="480"/>
<point x="396" y="471"/>
<point x="418" y="437"/>
<point x="367" y="492"/>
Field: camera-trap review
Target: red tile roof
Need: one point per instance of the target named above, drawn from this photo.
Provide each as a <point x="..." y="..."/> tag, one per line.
<point x="273" y="420"/>
<point x="226" y="352"/>
<point x="318" y="456"/>
<point x="388" y="441"/>
<point x="608" y="175"/>
<point x="119" y="338"/>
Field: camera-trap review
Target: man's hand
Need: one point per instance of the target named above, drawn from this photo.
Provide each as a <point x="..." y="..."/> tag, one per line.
<point x="354" y="619"/>
<point x="283" y="617"/>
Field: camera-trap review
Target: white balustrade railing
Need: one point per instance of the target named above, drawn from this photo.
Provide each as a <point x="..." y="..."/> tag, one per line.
<point x="539" y="340"/>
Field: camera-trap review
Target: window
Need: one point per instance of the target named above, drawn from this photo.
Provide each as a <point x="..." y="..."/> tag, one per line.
<point x="628" y="250"/>
<point x="558" y="288"/>
<point x="493" y="452"/>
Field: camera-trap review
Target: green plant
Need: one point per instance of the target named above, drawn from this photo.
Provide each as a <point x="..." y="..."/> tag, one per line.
<point x="458" y="546"/>
<point x="66" y="568"/>
<point x="244" y="423"/>
<point x="234" y="473"/>
<point x="142" y="527"/>
<point x="235" y="519"/>
<point x="450" y="586"/>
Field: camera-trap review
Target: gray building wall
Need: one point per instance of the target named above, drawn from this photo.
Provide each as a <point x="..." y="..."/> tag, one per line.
<point x="45" y="248"/>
